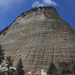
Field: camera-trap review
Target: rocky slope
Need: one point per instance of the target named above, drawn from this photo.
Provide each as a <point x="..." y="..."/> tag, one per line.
<point x="39" y="37"/>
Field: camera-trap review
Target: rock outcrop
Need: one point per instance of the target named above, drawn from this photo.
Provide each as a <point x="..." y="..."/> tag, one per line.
<point x="39" y="36"/>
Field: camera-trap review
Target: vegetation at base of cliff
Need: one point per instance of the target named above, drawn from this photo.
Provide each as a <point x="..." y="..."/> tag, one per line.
<point x="1" y="54"/>
<point x="51" y="69"/>
<point x="65" y="68"/>
<point x="19" y="68"/>
<point x="9" y="63"/>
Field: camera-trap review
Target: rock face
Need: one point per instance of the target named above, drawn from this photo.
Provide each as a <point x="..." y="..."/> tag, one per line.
<point x="39" y="37"/>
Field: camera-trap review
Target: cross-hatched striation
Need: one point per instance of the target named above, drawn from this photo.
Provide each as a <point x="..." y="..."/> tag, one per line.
<point x="39" y="37"/>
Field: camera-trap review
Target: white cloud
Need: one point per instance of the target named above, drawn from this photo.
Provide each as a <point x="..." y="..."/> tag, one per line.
<point x="44" y="3"/>
<point x="50" y="2"/>
<point x="37" y="4"/>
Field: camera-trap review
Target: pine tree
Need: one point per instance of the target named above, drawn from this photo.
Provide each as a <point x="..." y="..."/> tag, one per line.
<point x="1" y="54"/>
<point x="73" y="68"/>
<point x="9" y="63"/>
<point x="65" y="67"/>
<point x="51" y="69"/>
<point x="19" y="68"/>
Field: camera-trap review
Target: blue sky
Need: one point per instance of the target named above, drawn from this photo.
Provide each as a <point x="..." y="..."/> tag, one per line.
<point x="11" y="9"/>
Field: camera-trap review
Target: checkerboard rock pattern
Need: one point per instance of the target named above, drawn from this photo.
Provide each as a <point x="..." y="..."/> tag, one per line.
<point x="39" y="36"/>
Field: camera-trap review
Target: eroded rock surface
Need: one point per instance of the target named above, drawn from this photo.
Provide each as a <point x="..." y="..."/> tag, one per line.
<point x="39" y="37"/>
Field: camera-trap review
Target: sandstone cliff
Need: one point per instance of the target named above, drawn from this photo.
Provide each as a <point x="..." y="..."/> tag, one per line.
<point x="39" y="36"/>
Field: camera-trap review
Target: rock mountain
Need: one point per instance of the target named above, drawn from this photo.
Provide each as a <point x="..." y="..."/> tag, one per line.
<point x="39" y="36"/>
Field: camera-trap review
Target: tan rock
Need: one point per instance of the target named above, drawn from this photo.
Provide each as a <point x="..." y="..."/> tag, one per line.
<point x="39" y="37"/>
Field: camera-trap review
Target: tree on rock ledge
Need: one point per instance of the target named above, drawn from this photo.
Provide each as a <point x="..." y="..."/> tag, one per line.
<point x="19" y="68"/>
<point x="1" y="54"/>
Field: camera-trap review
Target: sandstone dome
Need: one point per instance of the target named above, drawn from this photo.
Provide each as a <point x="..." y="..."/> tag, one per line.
<point x="39" y="36"/>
